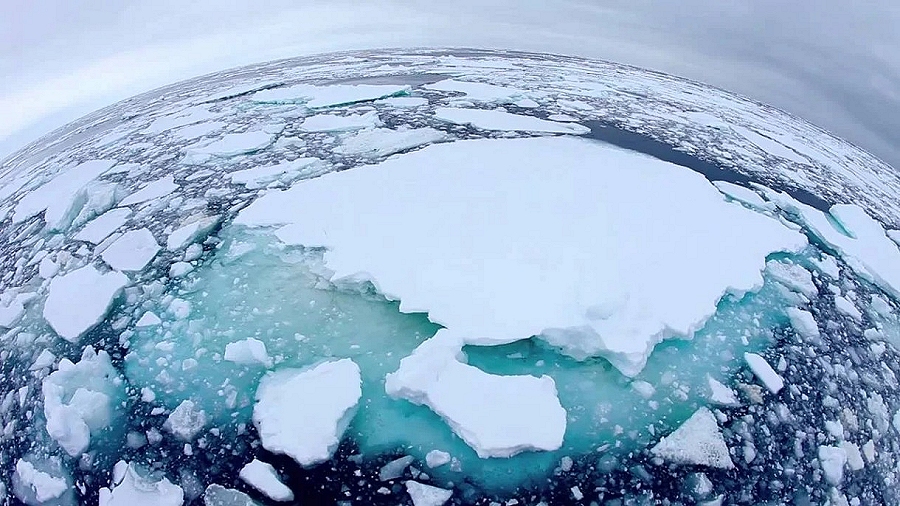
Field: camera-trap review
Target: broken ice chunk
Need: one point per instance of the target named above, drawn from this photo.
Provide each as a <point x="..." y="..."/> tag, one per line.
<point x="217" y="495"/>
<point x="11" y="310"/>
<point x="833" y="459"/>
<point x="132" y="251"/>
<point x="427" y="495"/>
<point x="762" y="370"/>
<point x="380" y="142"/>
<point x="131" y="488"/>
<point x="151" y="191"/>
<point x="844" y="306"/>
<point x="102" y="226"/>
<point x="697" y="441"/>
<point x="263" y="477"/>
<point x="191" y="232"/>
<point x="60" y="198"/>
<point x="322" y="399"/>
<point x="487" y="411"/>
<point x="79" y="300"/>
<point x="506" y="121"/>
<point x="743" y="194"/>
<point x="233" y="145"/>
<point x="792" y="276"/>
<point x="721" y="394"/>
<point x="250" y="351"/>
<point x="335" y="123"/>
<point x="285" y="172"/>
<point x="480" y="92"/>
<point x="148" y="319"/>
<point x="436" y="458"/>
<point x="81" y="399"/>
<point x="41" y="482"/>
<point x="403" y="101"/>
<point x="803" y="323"/>
<point x="186" y="420"/>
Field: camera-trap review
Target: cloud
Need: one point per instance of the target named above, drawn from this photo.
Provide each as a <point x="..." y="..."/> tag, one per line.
<point x="835" y="66"/>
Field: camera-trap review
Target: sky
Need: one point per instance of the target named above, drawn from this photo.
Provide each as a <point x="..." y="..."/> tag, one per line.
<point x="833" y="65"/>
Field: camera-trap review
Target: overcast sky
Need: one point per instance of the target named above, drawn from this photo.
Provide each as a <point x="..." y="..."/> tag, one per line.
<point x="834" y="63"/>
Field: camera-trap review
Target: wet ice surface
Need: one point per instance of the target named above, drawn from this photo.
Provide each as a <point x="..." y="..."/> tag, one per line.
<point x="154" y="351"/>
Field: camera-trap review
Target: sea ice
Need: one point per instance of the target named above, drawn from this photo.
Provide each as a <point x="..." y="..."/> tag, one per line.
<point x="62" y="197"/>
<point x="189" y="233"/>
<point x="395" y="468"/>
<point x="250" y="351"/>
<point x="285" y="172"/>
<point x="199" y="130"/>
<point x="833" y="459"/>
<point x="793" y="276"/>
<point x="479" y="92"/>
<point x="633" y="291"/>
<point x="335" y="123"/>
<point x="179" y="119"/>
<point x="380" y="142"/>
<point x="697" y="441"/>
<point x="132" y="251"/>
<point x="233" y="144"/>
<point x="80" y="299"/>
<point x="186" y="420"/>
<point x="217" y="495"/>
<point x="321" y="399"/>
<point x="427" y="495"/>
<point x="803" y="323"/>
<point x="487" y="411"/>
<point x="130" y="488"/>
<point x="762" y="370"/>
<point x="81" y="399"/>
<point x="263" y="477"/>
<point x="151" y="191"/>
<point x="437" y="458"/>
<point x="328" y="96"/>
<point x="721" y="394"/>
<point x="36" y="486"/>
<point x="844" y="306"/>
<point x="12" y="308"/>
<point x="506" y="121"/>
<point x="403" y="101"/>
<point x="98" y="229"/>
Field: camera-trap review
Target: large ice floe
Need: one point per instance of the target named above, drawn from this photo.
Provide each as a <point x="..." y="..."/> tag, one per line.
<point x="447" y="277"/>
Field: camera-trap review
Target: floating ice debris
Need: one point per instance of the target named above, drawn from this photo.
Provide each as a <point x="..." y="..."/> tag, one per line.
<point x="11" y="310"/>
<point x="132" y="251"/>
<point x="516" y="287"/>
<point x="321" y="399"/>
<point x="720" y="394"/>
<point x="844" y="306"/>
<point x="179" y="119"/>
<point x="427" y="495"/>
<point x="395" y="468"/>
<point x="179" y="269"/>
<point x="284" y="172"/>
<point x="697" y="441"/>
<point x="380" y="142"/>
<point x="793" y="276"/>
<point x="217" y="495"/>
<point x="148" y="319"/>
<point x="44" y="485"/>
<point x="44" y="360"/>
<point x="437" y="458"/>
<point x="403" y="101"/>
<point x="328" y="96"/>
<point x="186" y="420"/>
<point x="151" y="191"/>
<point x="61" y="197"/>
<point x="833" y="459"/>
<point x="263" y="477"/>
<point x="803" y="323"/>
<point x="130" y="488"/>
<point x="47" y="269"/>
<point x="762" y="370"/>
<point x="643" y="388"/>
<point x="81" y="399"/>
<point x="335" y="123"/>
<point x="487" y="411"/>
<point x="80" y="299"/>
<point x="191" y="232"/>
<point x="98" y="229"/>
<point x="506" y="121"/>
<point x="234" y="144"/>
<point x="250" y="351"/>
<point x="480" y="92"/>
<point x="199" y="130"/>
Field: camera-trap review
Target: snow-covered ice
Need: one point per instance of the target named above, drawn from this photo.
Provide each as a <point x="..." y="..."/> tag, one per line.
<point x="762" y="370"/>
<point x="193" y="231"/>
<point x="151" y="191"/>
<point x="263" y="477"/>
<point x="633" y="291"/>
<point x="285" y="172"/>
<point x="131" y="488"/>
<point x="488" y="411"/>
<point x="234" y="144"/>
<point x="833" y="459"/>
<point x="427" y="495"/>
<point x="479" y="92"/>
<point x="132" y="251"/>
<point x="80" y="299"/>
<point x="403" y="101"/>
<point x="217" y="495"/>
<point x="186" y="420"/>
<point x="60" y="198"/>
<point x="493" y="119"/>
<point x="321" y="399"/>
<point x="335" y="123"/>
<point x="380" y="142"/>
<point x="249" y="351"/>
<point x="98" y="229"/>
<point x="35" y="486"/>
<point x="803" y="323"/>
<point x="697" y="441"/>
<point x="720" y="394"/>
<point x="437" y="458"/>
<point x="328" y="96"/>
<point x="80" y="399"/>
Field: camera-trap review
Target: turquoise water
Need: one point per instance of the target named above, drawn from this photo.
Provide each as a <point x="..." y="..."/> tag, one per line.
<point x="253" y="287"/>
